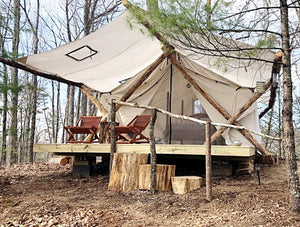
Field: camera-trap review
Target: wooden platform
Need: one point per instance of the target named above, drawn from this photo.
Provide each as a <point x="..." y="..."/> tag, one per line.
<point x="168" y="149"/>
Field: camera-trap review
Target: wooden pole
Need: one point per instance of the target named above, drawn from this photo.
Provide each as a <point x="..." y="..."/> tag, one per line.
<point x="29" y="69"/>
<point x="170" y="103"/>
<point x="112" y="133"/>
<point x="217" y="106"/>
<point x="208" y="163"/>
<point x="153" y="151"/>
<point x="88" y="92"/>
<point x="146" y="74"/>
<point x="209" y="98"/>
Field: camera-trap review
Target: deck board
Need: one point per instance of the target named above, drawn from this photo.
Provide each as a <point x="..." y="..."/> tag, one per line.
<point x="176" y="149"/>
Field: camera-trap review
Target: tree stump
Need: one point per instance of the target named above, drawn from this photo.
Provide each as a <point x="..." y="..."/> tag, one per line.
<point x="186" y="184"/>
<point x="124" y="176"/>
<point x="163" y="177"/>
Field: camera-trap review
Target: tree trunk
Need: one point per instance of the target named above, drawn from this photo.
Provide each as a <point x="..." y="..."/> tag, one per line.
<point x="33" y="118"/>
<point x="71" y="105"/>
<point x="4" y="114"/>
<point x="15" y="86"/>
<point x="71" y="89"/>
<point x="53" y="114"/>
<point x="34" y="85"/>
<point x="287" y="113"/>
<point x="57" y="112"/>
<point x="279" y="122"/>
<point x="78" y="105"/>
<point x="26" y="126"/>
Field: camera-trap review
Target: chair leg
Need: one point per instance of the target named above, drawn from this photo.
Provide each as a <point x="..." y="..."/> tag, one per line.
<point x="71" y="136"/>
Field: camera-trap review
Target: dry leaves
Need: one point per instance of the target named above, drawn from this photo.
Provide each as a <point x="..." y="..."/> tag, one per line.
<point x="41" y="194"/>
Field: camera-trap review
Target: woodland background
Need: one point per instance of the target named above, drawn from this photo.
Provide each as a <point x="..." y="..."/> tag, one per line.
<point x="34" y="110"/>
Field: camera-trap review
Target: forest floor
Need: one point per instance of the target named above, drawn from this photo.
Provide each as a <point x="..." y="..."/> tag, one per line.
<point x="43" y="194"/>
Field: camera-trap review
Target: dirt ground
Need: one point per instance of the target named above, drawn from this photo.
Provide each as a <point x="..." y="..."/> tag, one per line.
<point x="44" y="194"/>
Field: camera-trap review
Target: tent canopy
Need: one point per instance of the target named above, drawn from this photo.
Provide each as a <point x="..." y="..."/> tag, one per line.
<point x="111" y="59"/>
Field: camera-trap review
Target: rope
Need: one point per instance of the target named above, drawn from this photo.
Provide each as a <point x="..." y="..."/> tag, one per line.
<point x="183" y="117"/>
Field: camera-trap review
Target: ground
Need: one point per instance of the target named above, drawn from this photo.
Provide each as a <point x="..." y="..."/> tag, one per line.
<point x="43" y="194"/>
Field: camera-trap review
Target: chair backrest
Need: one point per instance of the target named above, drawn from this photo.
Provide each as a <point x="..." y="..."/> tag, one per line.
<point x="141" y="121"/>
<point x="89" y="121"/>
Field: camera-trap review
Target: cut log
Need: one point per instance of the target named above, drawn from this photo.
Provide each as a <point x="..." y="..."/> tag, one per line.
<point x="62" y="160"/>
<point x="163" y="177"/>
<point x="124" y="176"/>
<point x="186" y="184"/>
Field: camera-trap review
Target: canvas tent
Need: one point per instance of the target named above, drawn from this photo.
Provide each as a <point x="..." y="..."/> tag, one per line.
<point x="111" y="60"/>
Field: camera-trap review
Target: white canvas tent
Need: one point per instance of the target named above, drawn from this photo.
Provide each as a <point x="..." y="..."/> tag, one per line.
<point x="117" y="53"/>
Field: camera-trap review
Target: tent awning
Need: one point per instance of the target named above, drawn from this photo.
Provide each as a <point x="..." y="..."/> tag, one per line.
<point x="101" y="59"/>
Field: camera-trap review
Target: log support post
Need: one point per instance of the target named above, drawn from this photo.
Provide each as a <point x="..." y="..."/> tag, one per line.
<point x="112" y="133"/>
<point x="88" y="92"/>
<point x="208" y="165"/>
<point x="232" y="120"/>
<point x="153" y="151"/>
<point x="218" y="107"/>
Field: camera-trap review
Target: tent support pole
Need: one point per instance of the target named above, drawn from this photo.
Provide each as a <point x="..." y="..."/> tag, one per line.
<point x="215" y="104"/>
<point x="146" y="74"/>
<point x="246" y="106"/>
<point x="26" y="68"/>
<point x="88" y="92"/>
<point x="210" y="99"/>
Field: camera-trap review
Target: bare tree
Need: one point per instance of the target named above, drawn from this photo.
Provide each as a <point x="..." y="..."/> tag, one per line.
<point x="33" y="91"/>
<point x="15" y="85"/>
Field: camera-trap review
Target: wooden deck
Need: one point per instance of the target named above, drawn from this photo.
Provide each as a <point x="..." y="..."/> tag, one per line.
<point x="168" y="149"/>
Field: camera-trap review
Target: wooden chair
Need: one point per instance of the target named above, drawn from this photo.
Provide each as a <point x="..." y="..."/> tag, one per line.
<point x="134" y="129"/>
<point x="84" y="125"/>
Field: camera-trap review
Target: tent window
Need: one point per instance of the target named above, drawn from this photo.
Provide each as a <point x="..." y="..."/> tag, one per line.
<point x="82" y="53"/>
<point x="197" y="107"/>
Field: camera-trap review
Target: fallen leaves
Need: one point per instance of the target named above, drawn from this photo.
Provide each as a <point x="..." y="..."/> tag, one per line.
<point x="41" y="194"/>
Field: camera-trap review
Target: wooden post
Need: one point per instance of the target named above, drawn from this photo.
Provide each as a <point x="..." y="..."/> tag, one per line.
<point x="21" y="64"/>
<point x="208" y="163"/>
<point x="216" y="105"/>
<point x="143" y="77"/>
<point x="112" y="133"/>
<point x="239" y="113"/>
<point x="170" y="103"/>
<point x="153" y="151"/>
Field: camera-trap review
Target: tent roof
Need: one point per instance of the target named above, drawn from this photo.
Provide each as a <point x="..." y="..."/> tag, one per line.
<point x="117" y="52"/>
<point x="121" y="53"/>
